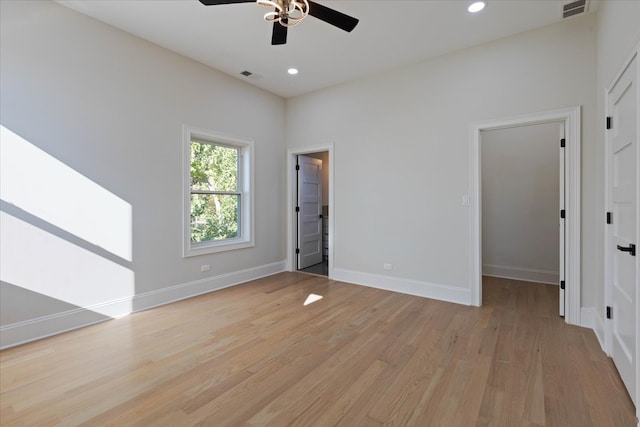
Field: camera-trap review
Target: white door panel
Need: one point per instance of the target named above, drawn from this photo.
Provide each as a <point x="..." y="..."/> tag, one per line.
<point x="622" y="158"/>
<point x="310" y="214"/>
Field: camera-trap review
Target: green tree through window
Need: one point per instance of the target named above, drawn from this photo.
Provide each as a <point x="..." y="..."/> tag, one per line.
<point x="215" y="196"/>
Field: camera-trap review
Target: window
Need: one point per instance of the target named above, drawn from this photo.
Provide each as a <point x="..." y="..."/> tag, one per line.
<point x="218" y="197"/>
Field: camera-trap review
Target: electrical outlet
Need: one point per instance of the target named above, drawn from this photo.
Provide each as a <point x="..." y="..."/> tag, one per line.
<point x="387" y="266"/>
<point x="205" y="267"/>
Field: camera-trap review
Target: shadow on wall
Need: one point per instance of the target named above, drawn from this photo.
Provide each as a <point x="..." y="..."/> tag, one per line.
<point x="65" y="240"/>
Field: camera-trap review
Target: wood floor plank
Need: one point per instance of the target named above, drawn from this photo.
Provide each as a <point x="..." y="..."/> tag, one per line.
<point x="254" y="355"/>
<point x="331" y="377"/>
<point x="330" y="409"/>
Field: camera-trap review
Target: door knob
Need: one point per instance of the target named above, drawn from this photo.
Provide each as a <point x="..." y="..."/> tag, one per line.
<point x="631" y="249"/>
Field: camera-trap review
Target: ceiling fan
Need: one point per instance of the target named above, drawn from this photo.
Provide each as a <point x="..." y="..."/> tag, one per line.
<point x="288" y="13"/>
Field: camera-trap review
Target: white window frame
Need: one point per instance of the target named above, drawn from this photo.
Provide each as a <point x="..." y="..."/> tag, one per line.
<point x="245" y="188"/>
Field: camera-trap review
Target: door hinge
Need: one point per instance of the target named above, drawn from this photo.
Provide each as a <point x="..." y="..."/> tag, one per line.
<point x="562" y="214"/>
<point x="609" y="312"/>
<point x="297" y="167"/>
<point x="608" y="122"/>
<point x="562" y="284"/>
<point x="608" y="217"/>
<point x="562" y="143"/>
<point x="297" y="250"/>
<point x="297" y="208"/>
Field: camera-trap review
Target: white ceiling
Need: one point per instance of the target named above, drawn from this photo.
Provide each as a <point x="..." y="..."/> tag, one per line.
<point x="233" y="38"/>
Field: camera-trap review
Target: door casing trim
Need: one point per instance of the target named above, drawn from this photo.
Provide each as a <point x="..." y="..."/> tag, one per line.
<point x="292" y="153"/>
<point x="570" y="117"/>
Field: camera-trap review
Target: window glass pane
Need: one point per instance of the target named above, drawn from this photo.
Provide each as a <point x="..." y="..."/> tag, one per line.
<point x="213" y="167"/>
<point x="214" y="217"/>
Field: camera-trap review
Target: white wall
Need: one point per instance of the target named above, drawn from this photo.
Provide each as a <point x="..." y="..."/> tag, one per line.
<point x="107" y="107"/>
<point x="402" y="147"/>
<point x="520" y="202"/>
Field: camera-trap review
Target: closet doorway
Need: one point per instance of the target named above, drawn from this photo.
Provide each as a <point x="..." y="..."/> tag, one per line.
<point x="310" y="220"/>
<point x="570" y="210"/>
<point x="522" y="204"/>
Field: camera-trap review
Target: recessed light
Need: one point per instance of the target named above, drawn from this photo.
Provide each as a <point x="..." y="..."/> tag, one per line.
<point x="476" y="6"/>
<point x="292" y="71"/>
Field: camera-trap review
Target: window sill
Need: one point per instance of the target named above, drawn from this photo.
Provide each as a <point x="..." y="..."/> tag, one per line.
<point x="210" y="248"/>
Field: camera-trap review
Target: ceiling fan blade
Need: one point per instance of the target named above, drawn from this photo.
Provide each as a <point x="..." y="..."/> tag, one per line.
<point x="331" y="16"/>
<point x="279" y="35"/>
<point x="217" y="2"/>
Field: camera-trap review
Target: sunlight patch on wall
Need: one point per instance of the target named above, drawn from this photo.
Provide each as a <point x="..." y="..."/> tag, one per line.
<point x="37" y="260"/>
<point x="43" y="186"/>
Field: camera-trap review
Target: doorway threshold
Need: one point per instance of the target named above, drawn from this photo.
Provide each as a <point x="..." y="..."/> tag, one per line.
<point x="321" y="269"/>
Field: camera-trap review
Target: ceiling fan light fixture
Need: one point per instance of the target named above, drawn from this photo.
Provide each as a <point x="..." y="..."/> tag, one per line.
<point x="287" y="12"/>
<point x="476" y="6"/>
<point x="269" y="3"/>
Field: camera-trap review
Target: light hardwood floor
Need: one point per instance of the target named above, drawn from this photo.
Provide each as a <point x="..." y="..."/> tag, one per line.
<point x="254" y="355"/>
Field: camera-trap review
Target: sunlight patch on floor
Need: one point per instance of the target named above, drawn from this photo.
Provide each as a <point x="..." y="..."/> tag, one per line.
<point x="312" y="298"/>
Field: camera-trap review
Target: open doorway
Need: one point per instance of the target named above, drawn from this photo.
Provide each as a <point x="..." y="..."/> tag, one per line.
<point x="312" y="213"/>
<point x="522" y="200"/>
<point x="570" y="120"/>
<point x="310" y="217"/>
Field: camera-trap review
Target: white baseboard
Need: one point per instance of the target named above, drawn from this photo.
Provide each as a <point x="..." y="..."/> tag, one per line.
<point x="406" y="286"/>
<point x="182" y="291"/>
<point x="19" y="333"/>
<point x="34" y="329"/>
<point x="590" y="318"/>
<point x="518" y="273"/>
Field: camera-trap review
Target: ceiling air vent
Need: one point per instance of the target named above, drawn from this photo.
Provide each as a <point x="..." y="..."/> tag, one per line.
<point x="574" y="8"/>
<point x="249" y="74"/>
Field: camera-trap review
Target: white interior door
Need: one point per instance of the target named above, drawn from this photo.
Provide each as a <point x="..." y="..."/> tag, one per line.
<point x="622" y="280"/>
<point x="563" y="216"/>
<point x="309" y="211"/>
